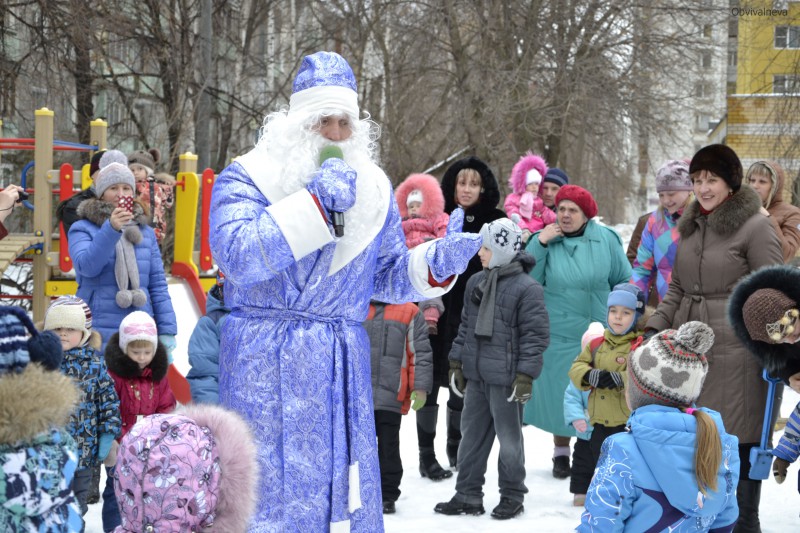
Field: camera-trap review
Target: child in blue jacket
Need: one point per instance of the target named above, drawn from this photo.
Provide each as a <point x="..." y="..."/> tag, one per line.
<point x="675" y="469"/>
<point x="96" y="421"/>
<point x="203" y="377"/>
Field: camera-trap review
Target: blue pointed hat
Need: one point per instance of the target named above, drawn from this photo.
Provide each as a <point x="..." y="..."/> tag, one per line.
<point x="325" y="81"/>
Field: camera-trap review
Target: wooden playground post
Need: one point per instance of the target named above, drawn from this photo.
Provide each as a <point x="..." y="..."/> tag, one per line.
<point x="42" y="217"/>
<point x="98" y="136"/>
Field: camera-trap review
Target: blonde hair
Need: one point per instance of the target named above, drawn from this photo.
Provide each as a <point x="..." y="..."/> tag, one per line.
<point x="140" y="343"/>
<point x="761" y="168"/>
<point x="707" y="451"/>
<point x="661" y="210"/>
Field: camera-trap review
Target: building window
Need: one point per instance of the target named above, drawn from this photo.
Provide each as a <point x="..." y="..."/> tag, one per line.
<point x="785" y="84"/>
<point x="733" y="27"/>
<point x="703" y="90"/>
<point x="707" y="31"/>
<point x="733" y="57"/>
<point x="706" y="59"/>
<point x="787" y="36"/>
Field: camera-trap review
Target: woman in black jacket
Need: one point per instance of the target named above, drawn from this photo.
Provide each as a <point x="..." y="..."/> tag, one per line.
<point x="470" y="184"/>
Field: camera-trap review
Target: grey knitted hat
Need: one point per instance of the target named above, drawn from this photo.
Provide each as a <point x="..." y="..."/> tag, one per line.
<point x="670" y="369"/>
<point x="503" y="238"/>
<point x="112" y="156"/>
<point x="112" y="174"/>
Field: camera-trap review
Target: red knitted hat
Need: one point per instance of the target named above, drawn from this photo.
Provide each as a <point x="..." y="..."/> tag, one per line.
<point x="580" y="196"/>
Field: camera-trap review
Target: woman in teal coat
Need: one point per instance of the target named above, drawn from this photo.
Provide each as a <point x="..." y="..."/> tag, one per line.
<point x="578" y="261"/>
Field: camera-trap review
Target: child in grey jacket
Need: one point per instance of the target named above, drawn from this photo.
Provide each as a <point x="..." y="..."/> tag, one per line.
<point x="495" y="358"/>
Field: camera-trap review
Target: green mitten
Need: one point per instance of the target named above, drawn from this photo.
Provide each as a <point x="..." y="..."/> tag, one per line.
<point x="456" y="379"/>
<point x="418" y="398"/>
<point x="521" y="388"/>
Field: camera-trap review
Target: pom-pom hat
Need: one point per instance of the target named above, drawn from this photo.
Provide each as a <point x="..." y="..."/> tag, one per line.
<point x="580" y="196"/>
<point x="17" y="349"/>
<point x="325" y="81"/>
<point x="671" y="367"/>
<point x="113" y="174"/>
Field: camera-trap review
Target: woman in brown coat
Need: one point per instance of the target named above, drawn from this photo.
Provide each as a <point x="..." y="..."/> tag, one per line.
<point x="724" y="236"/>
<point x="768" y="178"/>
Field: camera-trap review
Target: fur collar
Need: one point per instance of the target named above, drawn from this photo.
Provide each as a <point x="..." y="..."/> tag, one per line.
<point x="34" y="401"/>
<point x="727" y="218"/>
<point x="98" y="211"/>
<point x="432" y="197"/>
<point x="121" y="365"/>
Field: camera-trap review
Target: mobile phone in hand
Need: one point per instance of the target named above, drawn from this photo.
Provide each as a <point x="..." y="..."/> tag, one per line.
<point x="126" y="202"/>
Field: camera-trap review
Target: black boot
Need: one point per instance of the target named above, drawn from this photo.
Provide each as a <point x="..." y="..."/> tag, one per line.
<point x="429" y="467"/>
<point x="453" y="436"/>
<point x="748" y="496"/>
<point x="454" y="507"/>
<point x="507" y="508"/>
<point x="561" y="468"/>
<point x="94" y="486"/>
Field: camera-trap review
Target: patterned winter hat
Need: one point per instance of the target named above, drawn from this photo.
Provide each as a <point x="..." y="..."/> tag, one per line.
<point x="673" y="176"/>
<point x="112" y="156"/>
<point x="137" y="326"/>
<point x="671" y="367"/>
<point x="112" y="174"/>
<point x="722" y="161"/>
<point x="17" y="349"/>
<point x="581" y="197"/>
<point x="187" y="471"/>
<point x="503" y="238"/>
<point x="69" y="312"/>
<point x="324" y="81"/>
<point x="769" y="315"/>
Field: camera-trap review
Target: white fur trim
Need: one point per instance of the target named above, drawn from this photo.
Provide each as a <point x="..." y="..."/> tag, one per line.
<point x="343" y="526"/>
<point x="301" y="223"/>
<point x="355" y="488"/>
<point x="316" y="99"/>
<point x="418" y="272"/>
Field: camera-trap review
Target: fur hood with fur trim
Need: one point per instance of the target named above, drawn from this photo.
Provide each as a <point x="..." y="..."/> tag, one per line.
<point x="124" y="367"/>
<point x="432" y="198"/>
<point x="780" y="360"/>
<point x="489" y="198"/>
<point x="520" y="171"/>
<point x="727" y="218"/>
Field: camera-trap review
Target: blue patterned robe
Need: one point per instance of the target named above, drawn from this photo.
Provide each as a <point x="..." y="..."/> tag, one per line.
<point x="294" y="356"/>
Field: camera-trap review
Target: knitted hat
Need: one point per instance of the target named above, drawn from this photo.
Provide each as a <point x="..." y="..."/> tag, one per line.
<point x="69" y="312"/>
<point x="147" y="159"/>
<point x="414" y="196"/>
<point x="720" y="160"/>
<point x="769" y="315"/>
<point x="580" y="196"/>
<point x="325" y="81"/>
<point x="191" y="470"/>
<point x="671" y="367"/>
<point x="112" y="156"/>
<point x="112" y="174"/>
<point x="627" y="295"/>
<point x="94" y="163"/>
<point x="673" y="176"/>
<point x="503" y="238"/>
<point x="17" y="349"/>
<point x="557" y="176"/>
<point x="137" y="326"/>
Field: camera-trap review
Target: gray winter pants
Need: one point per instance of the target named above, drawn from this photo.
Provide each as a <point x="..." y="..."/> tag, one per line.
<point x="488" y="413"/>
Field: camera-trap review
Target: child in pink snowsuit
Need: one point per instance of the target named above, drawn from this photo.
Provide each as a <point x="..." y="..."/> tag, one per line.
<point x="524" y="202"/>
<point x="421" y="204"/>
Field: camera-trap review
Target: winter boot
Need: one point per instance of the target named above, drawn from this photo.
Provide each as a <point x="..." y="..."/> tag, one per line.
<point x="94" y="486"/>
<point x="455" y="507"/>
<point x="507" y="508"/>
<point x="453" y="436"/>
<point x="388" y="507"/>
<point x="561" y="468"/>
<point x="748" y="496"/>
<point x="429" y="467"/>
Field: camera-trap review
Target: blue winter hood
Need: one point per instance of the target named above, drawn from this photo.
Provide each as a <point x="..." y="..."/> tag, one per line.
<point x="214" y="301"/>
<point x="665" y="437"/>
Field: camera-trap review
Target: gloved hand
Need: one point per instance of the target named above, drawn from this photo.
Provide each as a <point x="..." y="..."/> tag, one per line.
<point x="450" y="255"/>
<point x="456" y="379"/>
<point x="580" y="425"/>
<point x="334" y="186"/>
<point x="521" y="388"/>
<point x="104" y="445"/>
<point x="603" y="379"/>
<point x="111" y="458"/>
<point x="418" y="398"/>
<point x="515" y="218"/>
<point x="648" y="333"/>
<point x="779" y="468"/>
<point x="169" y="343"/>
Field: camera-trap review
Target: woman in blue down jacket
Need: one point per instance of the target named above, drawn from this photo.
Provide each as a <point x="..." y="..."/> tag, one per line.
<point x="117" y="261"/>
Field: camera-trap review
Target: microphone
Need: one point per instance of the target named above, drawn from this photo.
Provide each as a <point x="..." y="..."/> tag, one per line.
<point x="331" y="152"/>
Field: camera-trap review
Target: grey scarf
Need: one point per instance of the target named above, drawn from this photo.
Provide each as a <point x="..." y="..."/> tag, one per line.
<point x="126" y="270"/>
<point x="486" y="293"/>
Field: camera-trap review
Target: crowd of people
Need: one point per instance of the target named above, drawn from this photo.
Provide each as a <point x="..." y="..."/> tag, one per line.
<point x="345" y="304"/>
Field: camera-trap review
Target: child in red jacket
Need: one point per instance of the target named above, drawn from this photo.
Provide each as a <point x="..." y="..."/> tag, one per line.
<point x="138" y="363"/>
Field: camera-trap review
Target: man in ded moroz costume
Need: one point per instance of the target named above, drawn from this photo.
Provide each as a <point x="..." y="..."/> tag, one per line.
<point x="294" y="357"/>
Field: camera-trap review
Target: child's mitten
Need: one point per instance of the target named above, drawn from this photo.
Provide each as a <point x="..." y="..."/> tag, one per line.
<point x="779" y="468"/>
<point x="521" y="388"/>
<point x="418" y="398"/>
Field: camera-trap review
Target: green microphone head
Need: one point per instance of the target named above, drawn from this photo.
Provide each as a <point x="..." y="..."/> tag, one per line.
<point x="329" y="152"/>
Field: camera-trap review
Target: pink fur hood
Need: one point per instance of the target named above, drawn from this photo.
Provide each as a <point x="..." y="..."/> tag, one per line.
<point x="520" y="171"/>
<point x="432" y="197"/>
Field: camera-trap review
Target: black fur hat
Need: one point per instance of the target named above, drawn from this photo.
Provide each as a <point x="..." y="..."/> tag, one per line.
<point x="722" y="161"/>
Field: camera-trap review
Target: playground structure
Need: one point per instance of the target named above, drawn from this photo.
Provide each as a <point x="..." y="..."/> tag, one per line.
<point x="50" y="255"/>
